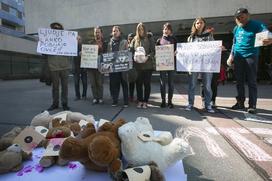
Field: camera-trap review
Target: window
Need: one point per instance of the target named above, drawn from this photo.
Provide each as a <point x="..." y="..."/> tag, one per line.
<point x="5" y="7"/>
<point x="13" y="11"/>
<point x="19" y="15"/>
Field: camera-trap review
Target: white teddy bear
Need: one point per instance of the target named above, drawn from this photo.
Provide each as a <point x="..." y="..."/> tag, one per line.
<point x="162" y="149"/>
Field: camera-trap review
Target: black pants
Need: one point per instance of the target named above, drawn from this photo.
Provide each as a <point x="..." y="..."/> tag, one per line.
<point x="80" y="74"/>
<point x="116" y="79"/>
<point x="167" y="77"/>
<point x="143" y="80"/>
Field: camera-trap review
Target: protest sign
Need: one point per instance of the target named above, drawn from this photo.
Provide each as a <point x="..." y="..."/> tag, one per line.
<point x="199" y="56"/>
<point x="89" y="56"/>
<point x="115" y="62"/>
<point x="165" y="57"/>
<point x="260" y="37"/>
<point x="57" y="42"/>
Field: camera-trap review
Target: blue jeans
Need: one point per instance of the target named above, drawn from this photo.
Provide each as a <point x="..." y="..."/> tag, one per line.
<point x="245" y="69"/>
<point x="207" y="79"/>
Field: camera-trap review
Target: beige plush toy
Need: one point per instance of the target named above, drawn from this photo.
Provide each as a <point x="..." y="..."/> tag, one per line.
<point x="7" y="139"/>
<point x="11" y="159"/>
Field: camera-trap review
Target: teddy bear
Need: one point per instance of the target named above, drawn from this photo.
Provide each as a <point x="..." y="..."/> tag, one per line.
<point x="138" y="151"/>
<point x="58" y="131"/>
<point x="149" y="172"/>
<point x="12" y="158"/>
<point x="7" y="139"/>
<point x="97" y="150"/>
<point x="45" y="119"/>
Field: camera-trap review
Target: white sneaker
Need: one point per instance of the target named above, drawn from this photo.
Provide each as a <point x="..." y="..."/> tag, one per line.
<point x="100" y="101"/>
<point x="95" y="101"/>
<point x="189" y="107"/>
<point x="210" y="109"/>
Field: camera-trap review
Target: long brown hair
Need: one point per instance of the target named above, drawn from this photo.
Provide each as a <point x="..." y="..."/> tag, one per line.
<point x="193" y="29"/>
<point x="137" y="37"/>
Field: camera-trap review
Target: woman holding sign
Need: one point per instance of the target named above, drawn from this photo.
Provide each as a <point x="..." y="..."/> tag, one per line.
<point x="168" y="75"/>
<point x="200" y="34"/>
<point x="116" y="44"/>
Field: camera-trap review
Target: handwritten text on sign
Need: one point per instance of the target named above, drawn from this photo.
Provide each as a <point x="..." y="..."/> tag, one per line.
<point x="57" y="42"/>
<point x="199" y="56"/>
<point x="89" y="56"/>
<point x="165" y="57"/>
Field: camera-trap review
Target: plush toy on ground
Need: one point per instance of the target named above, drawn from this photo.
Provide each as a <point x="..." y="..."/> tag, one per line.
<point x="149" y="172"/>
<point x="138" y="151"/>
<point x="12" y="158"/>
<point x="7" y="139"/>
<point x="98" y="151"/>
<point x="57" y="131"/>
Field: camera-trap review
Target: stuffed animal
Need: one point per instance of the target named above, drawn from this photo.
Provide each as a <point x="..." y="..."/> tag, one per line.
<point x="45" y="119"/>
<point x="7" y="139"/>
<point x="149" y="172"/>
<point x="11" y="159"/>
<point x="138" y="151"/>
<point x="58" y="131"/>
<point x="98" y="151"/>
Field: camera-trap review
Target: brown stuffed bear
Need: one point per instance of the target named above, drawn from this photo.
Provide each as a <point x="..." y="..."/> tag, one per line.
<point x="98" y="151"/>
<point x="11" y="159"/>
<point x="7" y="139"/>
<point x="58" y="131"/>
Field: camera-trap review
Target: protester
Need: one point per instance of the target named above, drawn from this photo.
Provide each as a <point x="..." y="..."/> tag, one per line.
<point x="199" y="33"/>
<point x="167" y="76"/>
<point x="143" y="49"/>
<point x="97" y="78"/>
<point x="59" y="69"/>
<point x="132" y="82"/>
<point x="79" y="73"/>
<point x="245" y="57"/>
<point x="116" y="78"/>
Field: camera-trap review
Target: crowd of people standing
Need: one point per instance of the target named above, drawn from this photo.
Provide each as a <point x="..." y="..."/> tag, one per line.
<point x="243" y="55"/>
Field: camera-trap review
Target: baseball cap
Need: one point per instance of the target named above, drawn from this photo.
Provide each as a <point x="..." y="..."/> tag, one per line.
<point x="240" y="11"/>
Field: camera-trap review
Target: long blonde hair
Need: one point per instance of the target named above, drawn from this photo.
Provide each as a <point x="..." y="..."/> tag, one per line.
<point x="137" y="37"/>
<point x="194" y="31"/>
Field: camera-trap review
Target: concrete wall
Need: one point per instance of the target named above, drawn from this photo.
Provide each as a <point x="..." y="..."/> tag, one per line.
<point x="89" y="13"/>
<point x="14" y="44"/>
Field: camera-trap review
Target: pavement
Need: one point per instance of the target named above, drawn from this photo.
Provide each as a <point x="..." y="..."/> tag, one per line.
<point x="227" y="145"/>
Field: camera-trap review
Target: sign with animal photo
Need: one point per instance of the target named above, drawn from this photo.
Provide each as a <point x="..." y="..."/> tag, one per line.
<point x="89" y="56"/>
<point x="53" y="147"/>
<point x="199" y="56"/>
<point x="57" y="42"/>
<point x="165" y="57"/>
<point x="28" y="139"/>
<point x="115" y="62"/>
<point x="42" y="130"/>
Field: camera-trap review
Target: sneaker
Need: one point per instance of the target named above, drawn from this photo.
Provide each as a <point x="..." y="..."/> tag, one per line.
<point x="144" y="106"/>
<point x="210" y="109"/>
<point x="100" y="101"/>
<point x="52" y="107"/>
<point x="139" y="105"/>
<point x="95" y="101"/>
<point x="163" y="104"/>
<point x="170" y="105"/>
<point x="114" y="104"/>
<point x="189" y="107"/>
<point x="65" y="107"/>
<point x="125" y="105"/>
<point x="238" y="106"/>
<point x="251" y="110"/>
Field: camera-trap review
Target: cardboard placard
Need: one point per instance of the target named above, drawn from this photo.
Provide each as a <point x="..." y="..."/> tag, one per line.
<point x="28" y="139"/>
<point x="53" y="147"/>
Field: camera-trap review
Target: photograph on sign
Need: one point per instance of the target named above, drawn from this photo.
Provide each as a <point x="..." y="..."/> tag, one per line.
<point x="199" y="56"/>
<point x="57" y="42"/>
<point x="53" y="147"/>
<point x="115" y="62"/>
<point x="89" y="56"/>
<point x="165" y="57"/>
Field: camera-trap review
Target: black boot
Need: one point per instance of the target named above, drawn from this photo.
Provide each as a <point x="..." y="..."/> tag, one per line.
<point x="163" y="104"/>
<point x="240" y="104"/>
<point x="170" y="104"/>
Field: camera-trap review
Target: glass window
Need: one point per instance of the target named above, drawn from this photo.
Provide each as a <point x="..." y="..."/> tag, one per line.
<point x="5" y="7"/>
